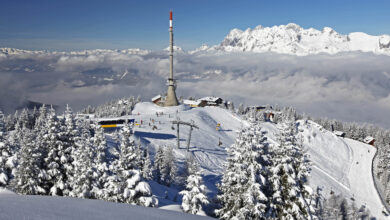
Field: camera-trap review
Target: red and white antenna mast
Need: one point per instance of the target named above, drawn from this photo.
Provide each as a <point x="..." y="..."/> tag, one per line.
<point x="170" y="20"/>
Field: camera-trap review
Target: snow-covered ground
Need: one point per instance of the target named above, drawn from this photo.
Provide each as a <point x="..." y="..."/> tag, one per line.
<point x="340" y="165"/>
<point x="14" y="206"/>
<point x="204" y="141"/>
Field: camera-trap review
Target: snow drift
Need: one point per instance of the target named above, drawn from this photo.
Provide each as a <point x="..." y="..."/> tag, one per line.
<point x="47" y="207"/>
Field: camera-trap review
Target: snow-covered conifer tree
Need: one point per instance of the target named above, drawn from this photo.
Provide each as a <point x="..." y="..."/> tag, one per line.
<point x="2" y="125"/>
<point x="292" y="198"/>
<point x="9" y="122"/>
<point x="241" y="109"/>
<point x="23" y="119"/>
<point x="55" y="155"/>
<point x="158" y="163"/>
<point x="147" y="169"/>
<point x="194" y="195"/>
<point x="100" y="164"/>
<point x="3" y="156"/>
<point x="167" y="168"/>
<point x="6" y="162"/>
<point x="41" y="120"/>
<point x="69" y="136"/>
<point x="190" y="167"/>
<point x="135" y="191"/>
<point x="126" y="183"/>
<point x="82" y="155"/>
<point x="29" y="172"/>
<point x="244" y="186"/>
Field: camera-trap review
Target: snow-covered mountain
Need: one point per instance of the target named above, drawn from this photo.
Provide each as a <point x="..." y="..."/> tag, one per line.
<point x="286" y="39"/>
<point x="15" y="51"/>
<point x="293" y="39"/>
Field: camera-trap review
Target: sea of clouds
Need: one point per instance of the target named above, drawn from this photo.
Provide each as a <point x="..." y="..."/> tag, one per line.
<point x="347" y="86"/>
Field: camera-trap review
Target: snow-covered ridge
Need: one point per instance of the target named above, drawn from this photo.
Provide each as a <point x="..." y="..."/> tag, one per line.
<point x="285" y="39"/>
<point x="293" y="39"/>
<point x="14" y="51"/>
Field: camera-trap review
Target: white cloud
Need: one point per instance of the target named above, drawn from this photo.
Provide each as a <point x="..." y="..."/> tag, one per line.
<point x="349" y="86"/>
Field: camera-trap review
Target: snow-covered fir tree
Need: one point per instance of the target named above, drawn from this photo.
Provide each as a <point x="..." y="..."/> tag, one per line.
<point x="55" y="148"/>
<point x="100" y="164"/>
<point x="292" y="197"/>
<point x="69" y="136"/>
<point x="82" y="160"/>
<point x="147" y="169"/>
<point x="2" y="125"/>
<point x="41" y="120"/>
<point x="194" y="195"/>
<point x="158" y="161"/>
<point x="4" y="153"/>
<point x="126" y="184"/>
<point x="7" y="162"/>
<point x="189" y="168"/>
<point x="164" y="166"/>
<point x="244" y="191"/>
<point x="23" y="119"/>
<point x="241" y="109"/>
<point x="29" y="173"/>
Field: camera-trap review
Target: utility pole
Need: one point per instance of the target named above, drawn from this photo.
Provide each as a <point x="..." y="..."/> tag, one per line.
<point x="177" y="130"/>
<point x="191" y="125"/>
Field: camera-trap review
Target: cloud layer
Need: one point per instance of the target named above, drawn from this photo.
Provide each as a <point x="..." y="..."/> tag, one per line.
<point x="347" y="86"/>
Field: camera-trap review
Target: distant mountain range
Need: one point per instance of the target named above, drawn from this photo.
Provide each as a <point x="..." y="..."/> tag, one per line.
<point x="293" y="39"/>
<point x="284" y="39"/>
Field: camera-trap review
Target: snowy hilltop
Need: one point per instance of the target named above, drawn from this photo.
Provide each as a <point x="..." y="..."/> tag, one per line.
<point x="285" y="163"/>
<point x="295" y="40"/>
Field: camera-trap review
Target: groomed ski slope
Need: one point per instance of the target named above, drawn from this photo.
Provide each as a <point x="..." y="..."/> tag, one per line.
<point x="339" y="164"/>
<point x="342" y="165"/>
<point x="204" y="141"/>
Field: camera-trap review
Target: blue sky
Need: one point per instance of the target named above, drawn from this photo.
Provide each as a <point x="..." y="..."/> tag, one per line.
<point x="116" y="24"/>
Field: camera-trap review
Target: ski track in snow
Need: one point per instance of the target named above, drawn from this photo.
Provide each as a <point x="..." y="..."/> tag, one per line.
<point x="331" y="177"/>
<point x="347" y="168"/>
